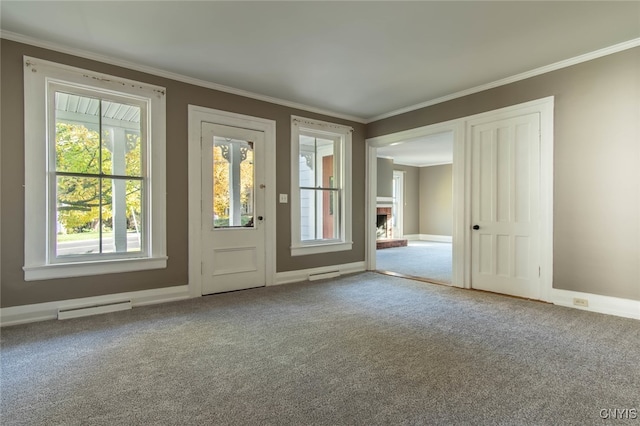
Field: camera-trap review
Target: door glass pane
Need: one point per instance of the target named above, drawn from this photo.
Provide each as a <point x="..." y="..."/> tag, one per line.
<point x="233" y="183"/>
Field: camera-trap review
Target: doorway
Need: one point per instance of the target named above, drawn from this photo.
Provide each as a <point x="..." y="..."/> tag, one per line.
<point x="231" y="201"/>
<point x="233" y="208"/>
<point x="421" y="186"/>
<point x="464" y="271"/>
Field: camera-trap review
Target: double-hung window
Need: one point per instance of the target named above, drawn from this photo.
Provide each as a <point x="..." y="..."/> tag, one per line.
<point x="94" y="173"/>
<point x="321" y="187"/>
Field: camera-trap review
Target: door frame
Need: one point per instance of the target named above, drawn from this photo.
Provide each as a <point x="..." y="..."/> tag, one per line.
<point x="458" y="179"/>
<point x="197" y="115"/>
<point x="461" y="232"/>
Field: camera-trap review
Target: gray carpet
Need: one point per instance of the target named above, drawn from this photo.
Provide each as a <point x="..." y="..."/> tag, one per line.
<point x="360" y="350"/>
<point x="424" y="259"/>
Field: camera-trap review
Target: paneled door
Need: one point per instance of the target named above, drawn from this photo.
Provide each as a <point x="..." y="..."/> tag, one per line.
<point x="233" y="232"/>
<point x="505" y="206"/>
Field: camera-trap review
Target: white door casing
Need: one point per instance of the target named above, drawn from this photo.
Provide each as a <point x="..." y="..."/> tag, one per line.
<point x="233" y="254"/>
<point x="197" y="116"/>
<point x="398" y="204"/>
<point x="505" y="206"/>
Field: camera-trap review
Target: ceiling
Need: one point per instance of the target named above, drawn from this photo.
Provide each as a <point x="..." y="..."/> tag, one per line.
<point x="356" y="59"/>
<point x="421" y="152"/>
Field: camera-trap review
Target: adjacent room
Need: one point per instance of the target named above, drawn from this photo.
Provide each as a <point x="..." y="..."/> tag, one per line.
<point x="414" y="208"/>
<point x="319" y="213"/>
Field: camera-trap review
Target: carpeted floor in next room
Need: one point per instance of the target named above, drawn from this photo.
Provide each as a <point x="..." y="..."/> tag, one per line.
<point x="424" y="259"/>
<point x="360" y="350"/>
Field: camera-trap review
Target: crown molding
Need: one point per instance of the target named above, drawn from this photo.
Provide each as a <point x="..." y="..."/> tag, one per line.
<point x="214" y="86"/>
<point x="170" y="75"/>
<point x="518" y="77"/>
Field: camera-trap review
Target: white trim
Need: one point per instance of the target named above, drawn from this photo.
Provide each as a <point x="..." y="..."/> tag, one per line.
<point x="412" y="237"/>
<point x="518" y="77"/>
<point x="630" y="44"/>
<point x="170" y="75"/>
<point x="436" y="238"/>
<point x="398" y="228"/>
<point x="300" y="275"/>
<point x="342" y="135"/>
<point x="82" y="269"/>
<point x="321" y="248"/>
<point x="197" y="115"/>
<point x="601" y="304"/>
<point x="39" y="75"/>
<point x="47" y="311"/>
<point x="371" y="205"/>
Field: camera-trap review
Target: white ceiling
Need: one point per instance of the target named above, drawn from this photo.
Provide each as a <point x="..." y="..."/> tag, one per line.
<point x="358" y="59"/>
<point x="421" y="152"/>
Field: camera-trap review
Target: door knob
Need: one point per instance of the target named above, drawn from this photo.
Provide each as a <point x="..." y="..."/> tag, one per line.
<point x="476" y="227"/>
<point x="260" y="218"/>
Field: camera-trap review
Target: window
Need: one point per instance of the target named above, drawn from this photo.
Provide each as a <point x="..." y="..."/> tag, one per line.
<point x="94" y="173"/>
<point x="321" y="187"/>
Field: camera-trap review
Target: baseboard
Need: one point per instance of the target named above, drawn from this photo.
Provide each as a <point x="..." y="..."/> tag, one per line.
<point x="46" y="311"/>
<point x="318" y="273"/>
<point x="596" y="303"/>
<point x="436" y="238"/>
<point x="412" y="237"/>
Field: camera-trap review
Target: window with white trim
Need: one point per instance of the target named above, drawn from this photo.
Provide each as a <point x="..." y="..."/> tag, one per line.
<point x="320" y="187"/>
<point x="94" y="173"/>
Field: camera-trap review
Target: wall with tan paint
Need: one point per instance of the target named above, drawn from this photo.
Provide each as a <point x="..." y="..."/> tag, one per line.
<point x="596" y="165"/>
<point x="15" y="291"/>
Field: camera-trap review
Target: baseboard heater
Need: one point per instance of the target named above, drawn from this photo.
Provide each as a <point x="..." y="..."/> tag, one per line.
<point x="86" y="311"/>
<point x="324" y="275"/>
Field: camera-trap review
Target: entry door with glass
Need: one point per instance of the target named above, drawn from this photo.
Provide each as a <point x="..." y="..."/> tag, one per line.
<point x="233" y="232"/>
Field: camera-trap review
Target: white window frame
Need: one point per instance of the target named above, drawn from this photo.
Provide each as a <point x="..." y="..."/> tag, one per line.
<point x="39" y="261"/>
<point x="342" y="134"/>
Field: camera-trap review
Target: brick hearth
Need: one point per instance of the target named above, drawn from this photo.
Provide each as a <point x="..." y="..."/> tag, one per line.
<point x="390" y="243"/>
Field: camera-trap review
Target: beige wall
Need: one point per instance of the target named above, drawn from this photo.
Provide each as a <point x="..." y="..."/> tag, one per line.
<point x="15" y="291"/>
<point x="596" y="187"/>
<point x="384" y="186"/>
<point x="596" y="165"/>
<point x="410" y="212"/>
<point x="436" y="200"/>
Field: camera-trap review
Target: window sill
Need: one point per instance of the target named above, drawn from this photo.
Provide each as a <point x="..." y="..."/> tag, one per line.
<point x="321" y="248"/>
<point x="69" y="270"/>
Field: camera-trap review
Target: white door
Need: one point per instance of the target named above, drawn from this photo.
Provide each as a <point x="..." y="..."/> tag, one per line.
<point x="505" y="206"/>
<point x="233" y="231"/>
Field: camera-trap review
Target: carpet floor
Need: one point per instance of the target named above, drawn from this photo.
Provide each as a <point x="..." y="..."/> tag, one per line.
<point x="362" y="349"/>
<point x="423" y="259"/>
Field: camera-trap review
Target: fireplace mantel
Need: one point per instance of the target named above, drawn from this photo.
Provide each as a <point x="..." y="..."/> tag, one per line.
<point x="384" y="202"/>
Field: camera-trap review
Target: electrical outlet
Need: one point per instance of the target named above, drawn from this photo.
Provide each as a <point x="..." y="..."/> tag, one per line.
<point x="283" y="198"/>
<point x="581" y="302"/>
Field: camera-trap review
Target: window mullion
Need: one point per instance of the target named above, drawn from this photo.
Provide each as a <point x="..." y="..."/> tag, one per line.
<point x="99" y="175"/>
<point x="100" y="186"/>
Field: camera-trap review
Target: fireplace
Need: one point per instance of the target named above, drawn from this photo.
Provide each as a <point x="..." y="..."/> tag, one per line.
<point x="384" y="231"/>
<point x="383" y="222"/>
